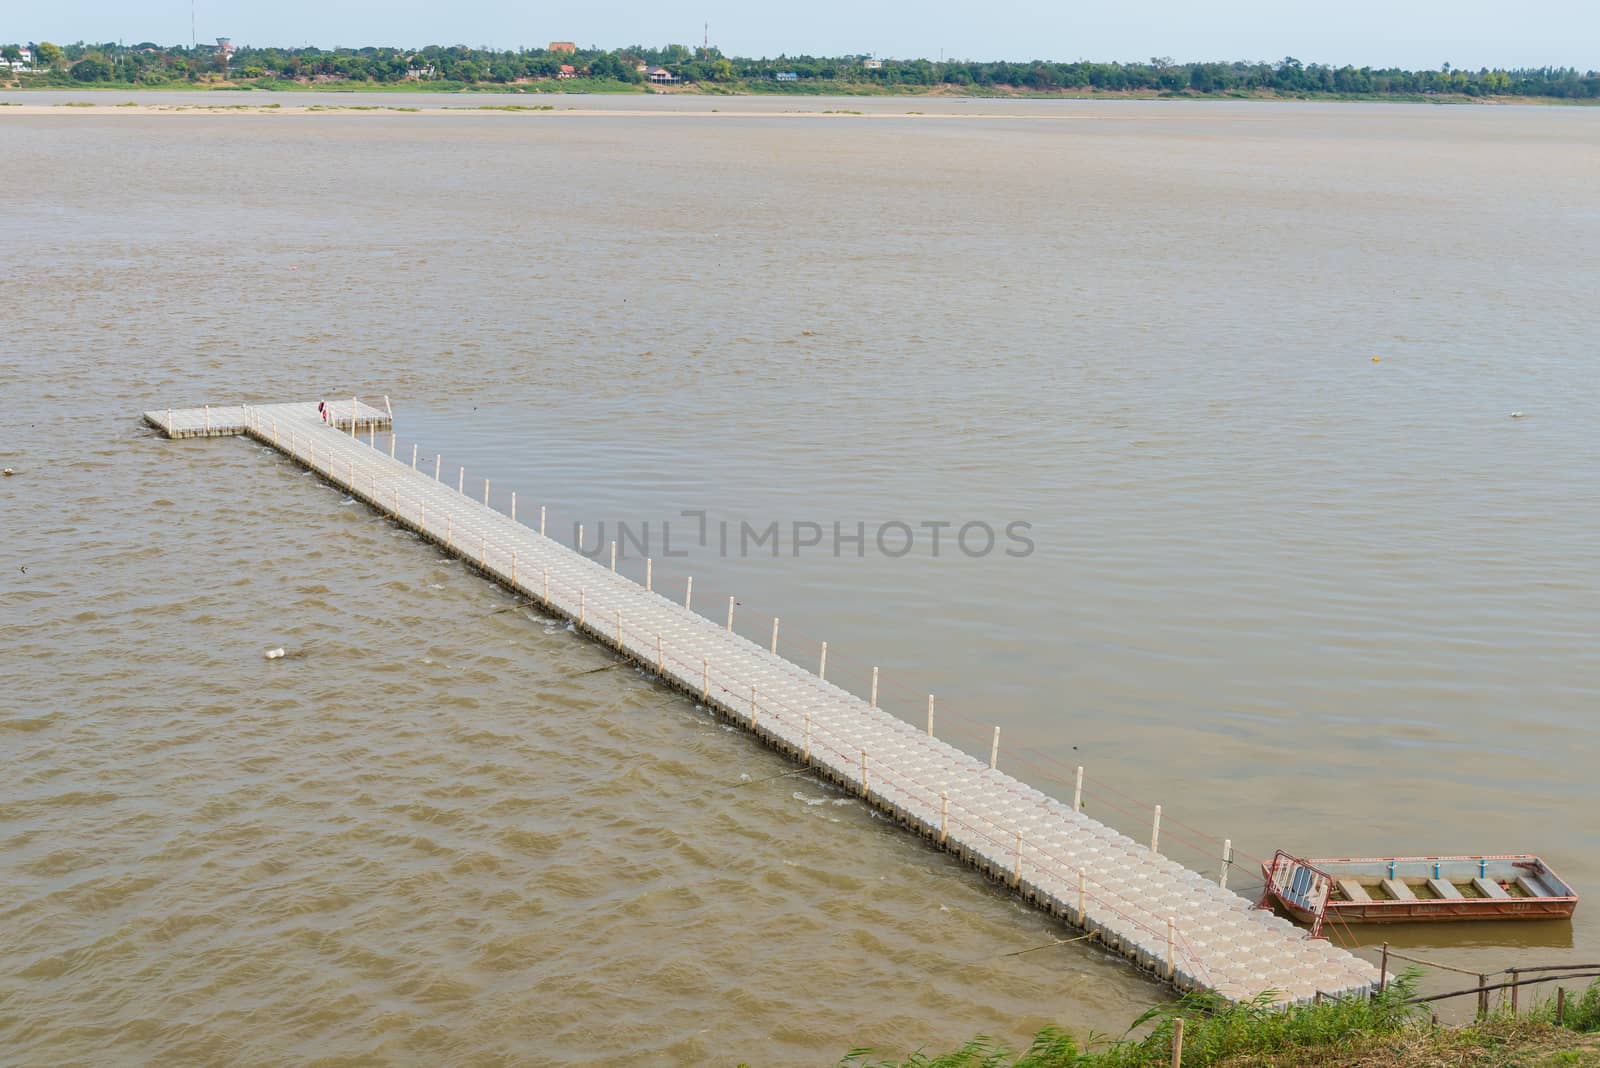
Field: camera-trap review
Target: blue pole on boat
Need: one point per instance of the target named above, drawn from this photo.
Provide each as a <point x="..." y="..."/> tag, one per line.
<point x="1483" y="868"/>
<point x="1436" y="869"/>
<point x="1391" y="869"/>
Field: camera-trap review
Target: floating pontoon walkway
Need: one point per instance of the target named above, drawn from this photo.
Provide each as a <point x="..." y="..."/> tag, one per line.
<point x="1171" y="921"/>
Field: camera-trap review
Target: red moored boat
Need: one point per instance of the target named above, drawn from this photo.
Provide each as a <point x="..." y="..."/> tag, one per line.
<point x="1415" y="889"/>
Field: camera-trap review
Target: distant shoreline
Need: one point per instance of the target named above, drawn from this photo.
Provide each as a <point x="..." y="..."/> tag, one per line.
<point x="224" y="91"/>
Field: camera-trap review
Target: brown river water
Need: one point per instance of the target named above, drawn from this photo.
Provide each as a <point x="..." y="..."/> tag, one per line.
<point x="1300" y="598"/>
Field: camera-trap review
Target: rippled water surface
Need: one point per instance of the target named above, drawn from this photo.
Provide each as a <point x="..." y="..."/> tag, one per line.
<point x="1301" y="596"/>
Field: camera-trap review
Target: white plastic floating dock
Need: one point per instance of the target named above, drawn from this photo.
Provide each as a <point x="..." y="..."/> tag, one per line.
<point x="1175" y="923"/>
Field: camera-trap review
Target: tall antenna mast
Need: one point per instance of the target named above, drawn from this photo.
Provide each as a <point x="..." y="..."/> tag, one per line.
<point x="705" y="45"/>
<point x="193" y="40"/>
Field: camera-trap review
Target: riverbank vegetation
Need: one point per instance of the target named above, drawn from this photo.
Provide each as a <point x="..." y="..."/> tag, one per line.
<point x="677" y="68"/>
<point x="1381" y="1032"/>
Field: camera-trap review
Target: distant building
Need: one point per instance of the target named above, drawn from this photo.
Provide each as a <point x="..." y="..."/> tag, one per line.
<point x="22" y="62"/>
<point x="563" y="47"/>
<point x="660" y="76"/>
<point x="872" y="63"/>
<point x="567" y="71"/>
<point x="421" y="74"/>
<point x="787" y="76"/>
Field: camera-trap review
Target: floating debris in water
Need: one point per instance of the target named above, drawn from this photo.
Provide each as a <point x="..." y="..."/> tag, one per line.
<point x="275" y="654"/>
<point x="1516" y="415"/>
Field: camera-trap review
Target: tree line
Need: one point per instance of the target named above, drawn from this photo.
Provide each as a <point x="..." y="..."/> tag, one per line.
<point x="458" y="66"/>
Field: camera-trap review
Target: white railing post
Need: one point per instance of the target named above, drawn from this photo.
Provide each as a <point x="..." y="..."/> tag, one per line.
<point x="944" y="816"/>
<point x="414" y="449"/>
<point x="391" y="444"/>
<point x="930" y="715"/>
<point x="613" y="557"/>
<point x="822" y="664"/>
<point x="874" y="701"/>
<point x="353" y="435"/>
<point x="1172" y="962"/>
<point x="1227" y="858"/>
<point x="1155" y="830"/>
<point x="730" y="611"/>
<point x="486" y="493"/>
<point x="513" y="506"/>
<point x="1077" y="792"/>
<point x="688" y="593"/>
<point x="994" y="750"/>
<point x="461" y="480"/>
<point x="541" y="521"/>
<point x="438" y="462"/>
<point x="649" y="574"/>
<point x="774" y="648"/>
<point x="806" y="755"/>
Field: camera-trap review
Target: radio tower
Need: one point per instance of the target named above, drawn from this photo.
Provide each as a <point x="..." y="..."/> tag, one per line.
<point x="705" y="43"/>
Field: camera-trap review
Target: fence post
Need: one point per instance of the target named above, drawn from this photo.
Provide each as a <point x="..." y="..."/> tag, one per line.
<point x="730" y="611"/>
<point x="461" y="481"/>
<point x="1513" y="973"/>
<point x="613" y="557"/>
<point x="541" y="521"/>
<point x="391" y="444"/>
<point x="688" y="594"/>
<point x="1172" y="963"/>
<point x="874" y="701"/>
<point x="930" y="715"/>
<point x="944" y="816"/>
<point x="1383" y="969"/>
<point x="1227" y="858"/>
<point x="354" y="407"/>
<point x="1177" y="1043"/>
<point x="513" y="506"/>
<point x="438" y="462"/>
<point x="579" y="543"/>
<point x="649" y="573"/>
<point x="486" y="493"/>
<point x="169" y="422"/>
<point x="208" y="419"/>
<point x="994" y="750"/>
<point x="372" y="435"/>
<point x="1483" y="996"/>
<point x="822" y="665"/>
<point x="1155" y="830"/>
<point x="1077" y="792"/>
<point x="774" y="649"/>
<point x="1561" y="1006"/>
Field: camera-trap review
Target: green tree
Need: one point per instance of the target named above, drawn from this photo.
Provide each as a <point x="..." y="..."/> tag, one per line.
<point x="49" y="54"/>
<point x="90" y="69"/>
<point x="10" y="53"/>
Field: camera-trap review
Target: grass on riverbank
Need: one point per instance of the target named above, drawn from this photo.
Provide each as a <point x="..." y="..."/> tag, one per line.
<point x="1381" y="1032"/>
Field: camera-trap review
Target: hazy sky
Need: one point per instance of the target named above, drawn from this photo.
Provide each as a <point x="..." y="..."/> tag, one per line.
<point x="1409" y="33"/>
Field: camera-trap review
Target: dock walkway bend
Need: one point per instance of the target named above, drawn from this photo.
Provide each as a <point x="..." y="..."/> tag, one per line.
<point x="1173" y="922"/>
